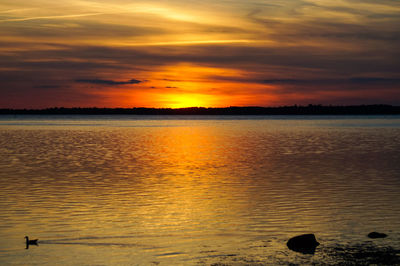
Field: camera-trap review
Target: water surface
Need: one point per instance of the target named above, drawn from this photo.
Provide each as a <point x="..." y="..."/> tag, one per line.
<point x="123" y="190"/>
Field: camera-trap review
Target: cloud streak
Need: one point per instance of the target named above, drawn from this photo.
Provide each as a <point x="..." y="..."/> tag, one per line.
<point x="355" y="80"/>
<point x="51" y="17"/>
<point x="108" y="82"/>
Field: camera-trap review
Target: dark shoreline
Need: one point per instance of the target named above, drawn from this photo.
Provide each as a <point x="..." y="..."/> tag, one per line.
<point x="282" y="110"/>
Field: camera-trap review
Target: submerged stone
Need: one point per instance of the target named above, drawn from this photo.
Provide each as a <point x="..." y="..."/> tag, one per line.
<point x="305" y="244"/>
<point x="377" y="235"/>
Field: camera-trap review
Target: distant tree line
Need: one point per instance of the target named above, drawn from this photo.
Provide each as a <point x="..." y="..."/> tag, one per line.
<point x="282" y="110"/>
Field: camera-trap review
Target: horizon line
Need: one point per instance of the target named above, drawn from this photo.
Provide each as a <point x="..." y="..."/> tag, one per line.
<point x="200" y="107"/>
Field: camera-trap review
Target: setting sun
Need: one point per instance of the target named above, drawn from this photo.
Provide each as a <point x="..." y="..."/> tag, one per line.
<point x="186" y="100"/>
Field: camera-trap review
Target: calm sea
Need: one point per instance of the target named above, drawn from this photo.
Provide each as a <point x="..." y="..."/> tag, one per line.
<point x="194" y="190"/>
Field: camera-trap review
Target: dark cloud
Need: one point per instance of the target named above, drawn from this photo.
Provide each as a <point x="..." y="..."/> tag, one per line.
<point x="369" y="80"/>
<point x="356" y="80"/>
<point x="47" y="86"/>
<point x="288" y="81"/>
<point x="108" y="82"/>
<point x="296" y="59"/>
<point x="351" y="24"/>
<point x="374" y="31"/>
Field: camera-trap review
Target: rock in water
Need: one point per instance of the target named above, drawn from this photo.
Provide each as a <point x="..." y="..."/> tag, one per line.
<point x="377" y="235"/>
<point x="305" y="244"/>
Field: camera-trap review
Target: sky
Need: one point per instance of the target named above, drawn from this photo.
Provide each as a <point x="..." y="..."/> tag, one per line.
<point x="184" y="53"/>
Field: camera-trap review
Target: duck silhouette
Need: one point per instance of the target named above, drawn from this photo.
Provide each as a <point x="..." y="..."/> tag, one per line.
<point x="30" y="242"/>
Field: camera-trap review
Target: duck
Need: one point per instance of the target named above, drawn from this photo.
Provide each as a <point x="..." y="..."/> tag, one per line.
<point x="31" y="241"/>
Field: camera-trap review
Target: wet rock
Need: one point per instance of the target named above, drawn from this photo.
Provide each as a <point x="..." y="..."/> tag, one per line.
<point x="305" y="244"/>
<point x="377" y="235"/>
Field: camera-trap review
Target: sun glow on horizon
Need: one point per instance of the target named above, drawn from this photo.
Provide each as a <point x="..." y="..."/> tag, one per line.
<point x="185" y="100"/>
<point x="187" y="85"/>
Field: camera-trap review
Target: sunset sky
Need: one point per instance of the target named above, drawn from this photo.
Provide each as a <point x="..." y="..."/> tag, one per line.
<point x="181" y="53"/>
